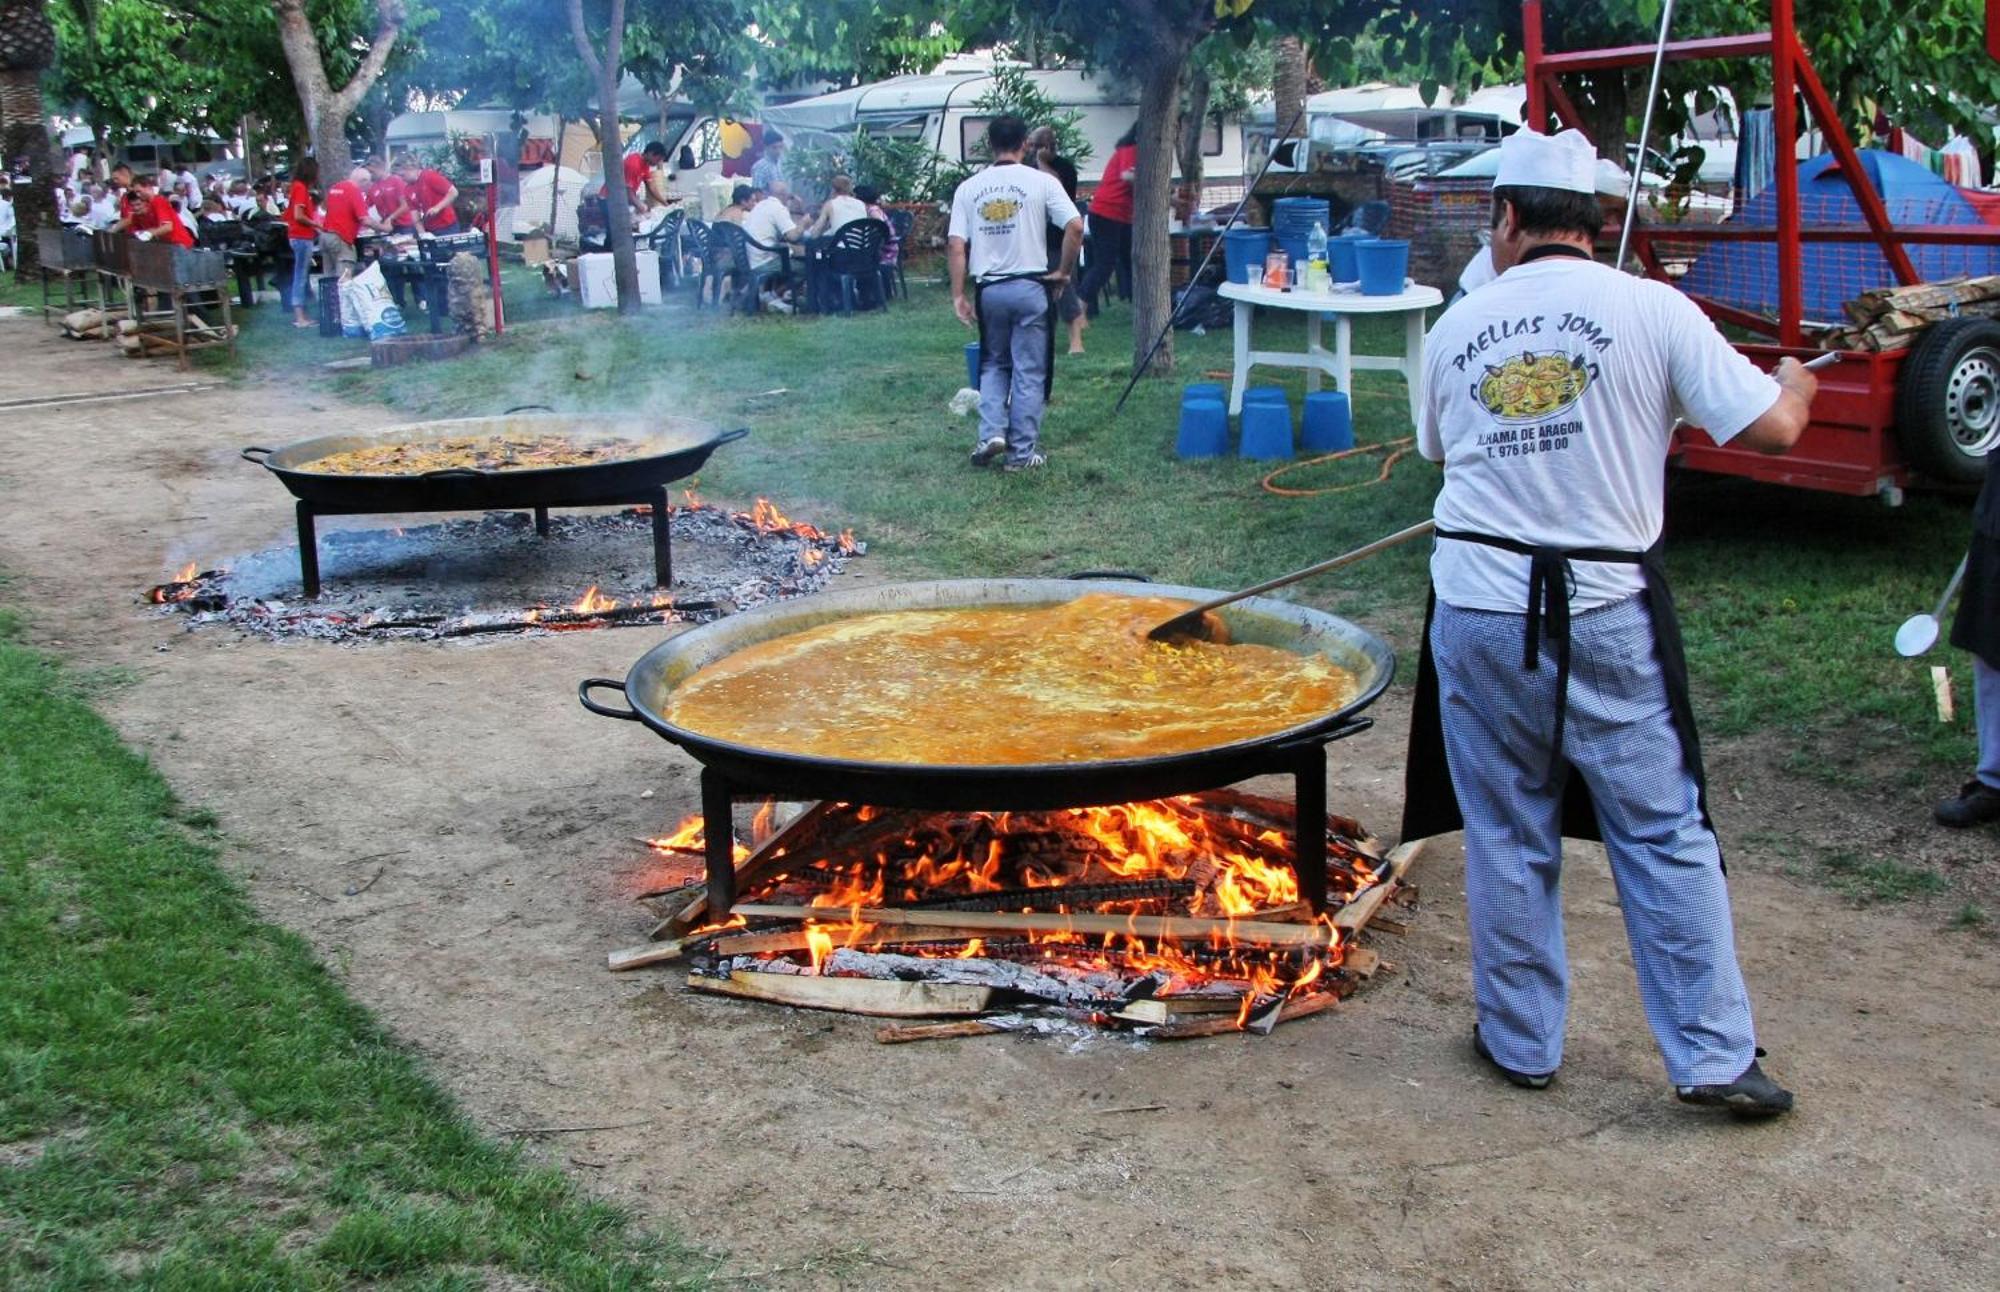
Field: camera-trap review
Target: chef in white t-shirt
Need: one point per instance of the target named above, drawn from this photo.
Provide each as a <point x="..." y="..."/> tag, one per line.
<point x="998" y="242"/>
<point x="1612" y="185"/>
<point x="1552" y="694"/>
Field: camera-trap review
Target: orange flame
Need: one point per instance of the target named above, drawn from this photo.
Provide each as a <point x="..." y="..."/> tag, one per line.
<point x="689" y="836"/>
<point x="594" y="603"/>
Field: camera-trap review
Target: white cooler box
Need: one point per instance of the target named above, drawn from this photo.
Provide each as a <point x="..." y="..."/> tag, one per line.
<point x="597" y="280"/>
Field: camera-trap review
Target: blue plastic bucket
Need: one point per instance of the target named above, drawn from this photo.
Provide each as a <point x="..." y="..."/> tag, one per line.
<point x="972" y="364"/>
<point x="1267" y="432"/>
<point x="1243" y="252"/>
<point x="1204" y="429"/>
<point x="1268" y="395"/>
<point x="1328" y="424"/>
<point x="1197" y="390"/>
<point x="1383" y="264"/>
<point x="1340" y="259"/>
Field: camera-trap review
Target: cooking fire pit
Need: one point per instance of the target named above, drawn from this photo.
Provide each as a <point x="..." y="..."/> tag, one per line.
<point x="669" y="449"/>
<point x="732" y="770"/>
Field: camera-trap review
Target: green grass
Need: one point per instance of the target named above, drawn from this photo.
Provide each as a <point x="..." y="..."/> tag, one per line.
<point x="1880" y="879"/>
<point x="1790" y="598"/>
<point x="14" y="291"/>
<point x="1970" y="916"/>
<point x="188" y="1100"/>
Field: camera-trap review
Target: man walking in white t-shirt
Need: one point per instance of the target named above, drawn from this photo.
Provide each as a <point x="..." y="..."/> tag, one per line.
<point x="1552" y="695"/>
<point x="997" y="239"/>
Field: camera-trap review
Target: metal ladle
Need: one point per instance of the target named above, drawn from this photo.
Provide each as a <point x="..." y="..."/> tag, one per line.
<point x="1920" y="632"/>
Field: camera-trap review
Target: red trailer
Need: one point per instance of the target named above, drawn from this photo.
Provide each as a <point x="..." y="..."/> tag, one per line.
<point x="1930" y="412"/>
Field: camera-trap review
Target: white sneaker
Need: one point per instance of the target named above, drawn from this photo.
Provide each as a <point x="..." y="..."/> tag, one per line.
<point x="1029" y="463"/>
<point x="988" y="452"/>
<point x="778" y="304"/>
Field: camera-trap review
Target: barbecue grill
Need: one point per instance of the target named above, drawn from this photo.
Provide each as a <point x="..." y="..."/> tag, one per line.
<point x="731" y="770"/>
<point x="674" y="448"/>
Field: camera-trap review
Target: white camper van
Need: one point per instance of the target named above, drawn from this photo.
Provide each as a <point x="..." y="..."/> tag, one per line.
<point x="942" y="110"/>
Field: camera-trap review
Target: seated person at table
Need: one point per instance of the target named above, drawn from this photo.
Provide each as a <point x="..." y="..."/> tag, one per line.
<point x="771" y="223"/>
<point x="740" y="201"/>
<point x="871" y="202"/>
<point x="838" y="209"/>
<point x="154" y="217"/>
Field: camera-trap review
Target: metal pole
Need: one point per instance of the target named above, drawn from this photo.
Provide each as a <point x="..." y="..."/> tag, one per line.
<point x="1531" y="49"/>
<point x="1784" y="139"/>
<point x="1270" y="155"/>
<point x="1645" y="131"/>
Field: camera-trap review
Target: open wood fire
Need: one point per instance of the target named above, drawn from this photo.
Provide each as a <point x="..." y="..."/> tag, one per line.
<point x="1168" y="919"/>
<point x="730" y="561"/>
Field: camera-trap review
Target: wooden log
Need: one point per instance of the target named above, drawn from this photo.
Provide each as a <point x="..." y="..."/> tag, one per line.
<point x="1354" y="917"/>
<point x="898" y="1033"/>
<point x="883" y="999"/>
<point x="652" y="953"/>
<point x="1361" y="962"/>
<point x="1220" y="1024"/>
<point x="782" y="940"/>
<point x="1186" y="928"/>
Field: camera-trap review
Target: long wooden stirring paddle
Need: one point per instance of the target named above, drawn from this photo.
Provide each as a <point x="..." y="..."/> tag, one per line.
<point x="1193" y="625"/>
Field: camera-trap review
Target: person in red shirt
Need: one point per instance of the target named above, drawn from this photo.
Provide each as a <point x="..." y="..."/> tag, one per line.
<point x="1111" y="223"/>
<point x="154" y="217"/>
<point x="431" y="195"/>
<point x="389" y="196"/>
<point x="346" y="216"/>
<point x="639" y="168"/>
<point x="302" y="231"/>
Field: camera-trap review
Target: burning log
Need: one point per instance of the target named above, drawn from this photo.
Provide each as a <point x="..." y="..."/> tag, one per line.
<point x="1354" y="916"/>
<point x="652" y="953"/>
<point x="882" y="998"/>
<point x="1221" y="1024"/>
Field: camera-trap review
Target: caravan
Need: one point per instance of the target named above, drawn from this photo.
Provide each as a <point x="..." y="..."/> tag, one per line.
<point x="942" y="110"/>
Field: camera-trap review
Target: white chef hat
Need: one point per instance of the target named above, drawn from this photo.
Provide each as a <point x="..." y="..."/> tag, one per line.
<point x="1565" y="161"/>
<point x="1612" y="179"/>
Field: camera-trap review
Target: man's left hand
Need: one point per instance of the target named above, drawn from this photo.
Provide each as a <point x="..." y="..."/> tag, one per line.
<point x="963" y="307"/>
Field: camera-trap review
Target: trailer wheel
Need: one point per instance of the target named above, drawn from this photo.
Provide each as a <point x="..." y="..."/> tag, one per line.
<point x="1948" y="400"/>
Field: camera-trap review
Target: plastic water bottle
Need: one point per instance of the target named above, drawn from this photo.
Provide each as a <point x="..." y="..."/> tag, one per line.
<point x="1316" y="274"/>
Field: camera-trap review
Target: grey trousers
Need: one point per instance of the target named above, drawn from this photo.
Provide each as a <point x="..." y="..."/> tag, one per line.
<point x="1619" y="735"/>
<point x="1013" y="364"/>
<point x="1986" y="716"/>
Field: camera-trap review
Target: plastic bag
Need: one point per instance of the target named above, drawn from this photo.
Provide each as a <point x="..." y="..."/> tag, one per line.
<point x="367" y="309"/>
<point x="965" y="401"/>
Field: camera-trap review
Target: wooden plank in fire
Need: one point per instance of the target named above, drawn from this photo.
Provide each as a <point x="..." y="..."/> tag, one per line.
<point x="1187" y="928"/>
<point x="1220" y="1024"/>
<point x="782" y="940"/>
<point x="1354" y="917"/>
<point x="879" y="997"/>
<point x="767" y="861"/>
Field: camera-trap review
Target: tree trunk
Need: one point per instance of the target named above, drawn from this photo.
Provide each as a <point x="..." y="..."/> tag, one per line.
<point x="1152" y="201"/>
<point x="607" y="69"/>
<point x="1193" y="127"/>
<point x="1289" y="71"/>
<point x="324" y="108"/>
<point x="27" y="47"/>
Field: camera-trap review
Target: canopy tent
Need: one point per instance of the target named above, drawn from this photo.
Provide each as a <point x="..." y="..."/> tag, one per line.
<point x="547" y="187"/>
<point x="1745" y="274"/>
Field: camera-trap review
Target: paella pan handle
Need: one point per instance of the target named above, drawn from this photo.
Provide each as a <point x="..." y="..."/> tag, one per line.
<point x="247" y="455"/>
<point x="1129" y="576"/>
<point x="589" y="684"/>
<point x="453" y="473"/>
<point x="527" y="408"/>
<point x="1348" y="727"/>
<point x="728" y="437"/>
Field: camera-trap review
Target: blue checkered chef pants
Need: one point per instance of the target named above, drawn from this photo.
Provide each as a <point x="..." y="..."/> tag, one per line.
<point x="1498" y="720"/>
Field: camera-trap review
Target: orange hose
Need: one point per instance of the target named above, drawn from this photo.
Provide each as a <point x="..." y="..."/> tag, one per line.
<point x="1396" y="450"/>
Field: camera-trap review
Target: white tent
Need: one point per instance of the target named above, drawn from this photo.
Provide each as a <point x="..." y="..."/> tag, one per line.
<point x="545" y="187"/>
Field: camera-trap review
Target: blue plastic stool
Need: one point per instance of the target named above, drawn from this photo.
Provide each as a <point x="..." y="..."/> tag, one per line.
<point x="1203" y="390"/>
<point x="1328" y="425"/>
<point x="1268" y="395"/>
<point x="972" y="364"/>
<point x="1267" y="431"/>
<point x="1204" y="429"/>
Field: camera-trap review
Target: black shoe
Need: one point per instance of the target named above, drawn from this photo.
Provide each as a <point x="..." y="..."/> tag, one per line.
<point x="1976" y="804"/>
<point x="1525" y="1080"/>
<point x="1751" y="1095"/>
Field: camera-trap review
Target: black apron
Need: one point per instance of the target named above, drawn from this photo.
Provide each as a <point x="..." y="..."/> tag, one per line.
<point x="1430" y="804"/>
<point x="1977" y="625"/>
<point x="1049" y="358"/>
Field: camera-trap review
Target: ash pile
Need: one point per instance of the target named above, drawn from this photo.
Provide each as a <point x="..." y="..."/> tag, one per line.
<point x="492" y="574"/>
<point x="1164" y="920"/>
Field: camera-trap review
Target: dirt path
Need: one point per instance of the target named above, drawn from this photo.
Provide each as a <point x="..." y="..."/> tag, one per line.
<point x="1363" y="1149"/>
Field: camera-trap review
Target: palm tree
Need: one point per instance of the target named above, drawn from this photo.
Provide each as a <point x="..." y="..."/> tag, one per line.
<point x="27" y="48"/>
<point x="1289" y="74"/>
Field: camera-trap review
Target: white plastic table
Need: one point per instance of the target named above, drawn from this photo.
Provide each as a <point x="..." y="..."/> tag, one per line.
<point x="1340" y="362"/>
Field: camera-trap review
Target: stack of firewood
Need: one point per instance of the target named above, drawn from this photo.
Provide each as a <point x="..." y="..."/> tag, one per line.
<point x="1045" y="935"/>
<point x="1891" y="318"/>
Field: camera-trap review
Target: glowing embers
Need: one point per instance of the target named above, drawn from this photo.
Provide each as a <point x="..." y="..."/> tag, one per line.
<point x="1173" y="918"/>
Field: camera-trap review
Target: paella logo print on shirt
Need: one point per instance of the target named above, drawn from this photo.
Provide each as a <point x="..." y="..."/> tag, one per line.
<point x="997" y="212"/>
<point x="1531" y="387"/>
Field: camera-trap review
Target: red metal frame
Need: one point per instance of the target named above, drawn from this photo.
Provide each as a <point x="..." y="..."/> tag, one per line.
<point x="1850" y="447"/>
